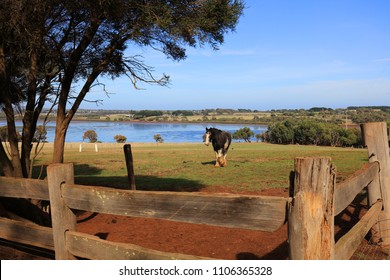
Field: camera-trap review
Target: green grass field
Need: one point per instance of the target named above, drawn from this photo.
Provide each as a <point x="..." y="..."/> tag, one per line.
<point x="190" y="167"/>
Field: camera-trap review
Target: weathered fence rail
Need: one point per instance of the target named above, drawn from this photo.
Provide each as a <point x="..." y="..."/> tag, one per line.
<point x="228" y="210"/>
<point x="315" y="201"/>
<point x="238" y="211"/>
<point x="346" y="191"/>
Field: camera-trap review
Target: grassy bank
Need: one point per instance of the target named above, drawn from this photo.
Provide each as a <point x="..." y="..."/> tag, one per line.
<point x="190" y="167"/>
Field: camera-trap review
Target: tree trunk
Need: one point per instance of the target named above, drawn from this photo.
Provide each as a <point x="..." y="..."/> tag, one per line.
<point x="64" y="118"/>
<point x="28" y="119"/>
<point x="12" y="138"/>
<point x="5" y="162"/>
<point x="59" y="141"/>
<point x="11" y="166"/>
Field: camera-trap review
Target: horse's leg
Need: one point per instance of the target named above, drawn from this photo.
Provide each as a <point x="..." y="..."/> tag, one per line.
<point x="224" y="158"/>
<point x="221" y="158"/>
<point x="217" y="159"/>
<point x="223" y="161"/>
<point x="224" y="152"/>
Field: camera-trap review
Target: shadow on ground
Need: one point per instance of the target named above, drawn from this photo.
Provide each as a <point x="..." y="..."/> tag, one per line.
<point x="143" y="183"/>
<point x="86" y="174"/>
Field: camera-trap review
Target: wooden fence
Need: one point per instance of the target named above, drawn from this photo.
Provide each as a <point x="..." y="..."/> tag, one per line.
<point x="314" y="201"/>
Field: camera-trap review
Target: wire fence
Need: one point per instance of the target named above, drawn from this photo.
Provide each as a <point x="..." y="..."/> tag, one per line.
<point x="371" y="248"/>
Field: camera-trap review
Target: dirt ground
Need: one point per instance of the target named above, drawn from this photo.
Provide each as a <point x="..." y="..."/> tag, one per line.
<point x="199" y="240"/>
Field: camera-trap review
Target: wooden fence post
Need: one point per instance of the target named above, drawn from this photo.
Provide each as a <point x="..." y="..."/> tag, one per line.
<point x="376" y="139"/>
<point x="129" y="165"/>
<point x="63" y="219"/>
<point x="311" y="212"/>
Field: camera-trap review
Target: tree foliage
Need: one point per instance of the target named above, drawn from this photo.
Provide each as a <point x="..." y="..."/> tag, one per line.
<point x="310" y="132"/>
<point x="49" y="46"/>
<point x="365" y="116"/>
<point x="120" y="138"/>
<point x="244" y="133"/>
<point x="147" y="113"/>
<point x="184" y="113"/>
<point x="91" y="135"/>
<point x="158" y="138"/>
<point x="40" y="134"/>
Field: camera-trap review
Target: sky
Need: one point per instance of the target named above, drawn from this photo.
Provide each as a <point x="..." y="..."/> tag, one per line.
<point x="283" y="54"/>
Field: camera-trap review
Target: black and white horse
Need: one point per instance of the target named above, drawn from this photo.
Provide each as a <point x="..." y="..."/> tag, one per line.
<point x="221" y="141"/>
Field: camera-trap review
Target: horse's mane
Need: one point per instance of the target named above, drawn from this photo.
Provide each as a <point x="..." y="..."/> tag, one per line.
<point x="213" y="129"/>
<point x="217" y="133"/>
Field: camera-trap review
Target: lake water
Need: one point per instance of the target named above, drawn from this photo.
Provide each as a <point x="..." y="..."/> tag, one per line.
<point x="142" y="132"/>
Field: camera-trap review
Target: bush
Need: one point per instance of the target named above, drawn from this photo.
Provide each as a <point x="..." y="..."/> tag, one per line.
<point x="91" y="135"/>
<point x="40" y="134"/>
<point x="120" y="138"/>
<point x="158" y="138"/>
<point x="310" y="132"/>
<point x="244" y="133"/>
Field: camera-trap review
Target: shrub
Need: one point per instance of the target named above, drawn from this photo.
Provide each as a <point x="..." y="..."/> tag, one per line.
<point x="91" y="135"/>
<point x="309" y="132"/>
<point x="40" y="134"/>
<point x="158" y="138"/>
<point x="120" y="138"/>
<point x="244" y="133"/>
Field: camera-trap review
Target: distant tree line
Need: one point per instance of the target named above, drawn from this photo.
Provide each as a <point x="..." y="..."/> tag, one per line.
<point x="381" y="108"/>
<point x="184" y="113"/>
<point x="311" y="132"/>
<point x="364" y="116"/>
<point x="148" y="113"/>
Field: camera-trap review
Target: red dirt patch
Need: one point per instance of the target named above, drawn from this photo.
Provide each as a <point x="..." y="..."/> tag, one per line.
<point x="191" y="239"/>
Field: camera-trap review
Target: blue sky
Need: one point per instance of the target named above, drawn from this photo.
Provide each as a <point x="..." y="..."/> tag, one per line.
<point x="284" y="54"/>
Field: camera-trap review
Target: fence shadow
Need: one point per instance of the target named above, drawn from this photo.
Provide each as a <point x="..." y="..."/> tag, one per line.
<point x="143" y="183"/>
<point x="86" y="174"/>
<point x="19" y="251"/>
<point x="351" y="215"/>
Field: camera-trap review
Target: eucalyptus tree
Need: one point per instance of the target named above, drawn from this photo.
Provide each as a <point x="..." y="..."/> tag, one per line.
<point x="47" y="47"/>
